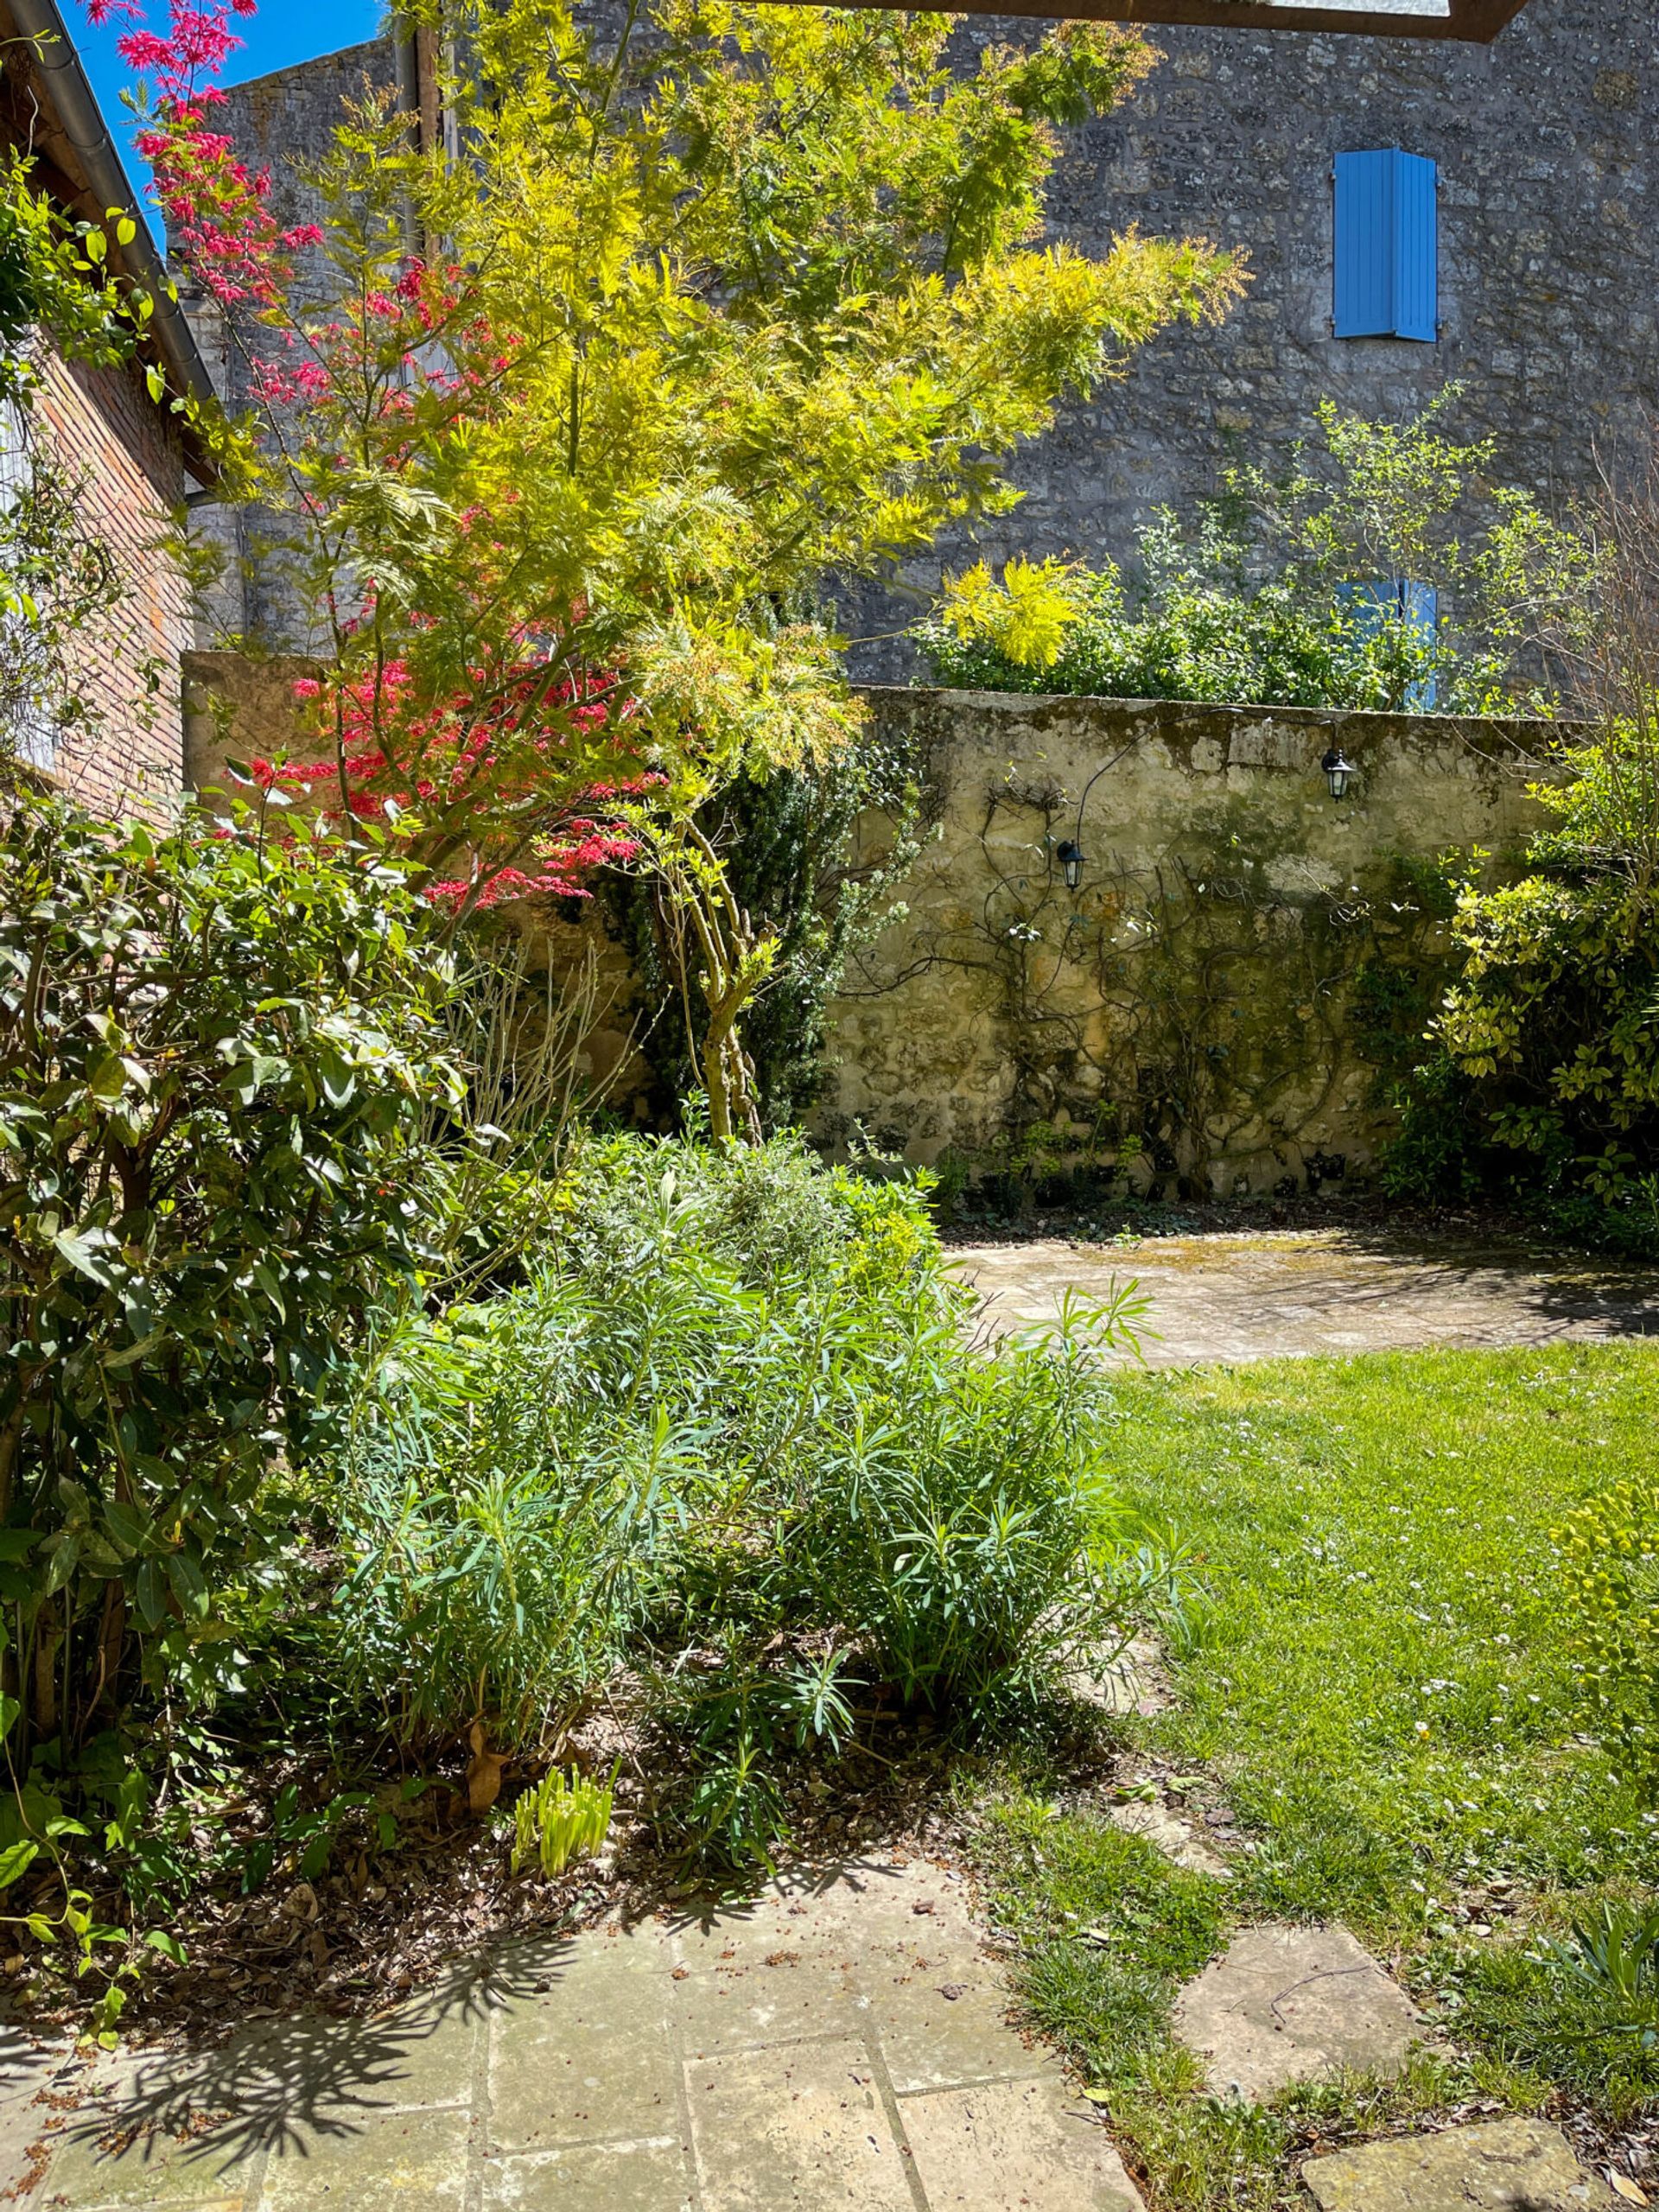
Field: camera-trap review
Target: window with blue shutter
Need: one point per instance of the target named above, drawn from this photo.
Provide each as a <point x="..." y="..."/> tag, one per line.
<point x="1398" y="600"/>
<point x="1387" y="246"/>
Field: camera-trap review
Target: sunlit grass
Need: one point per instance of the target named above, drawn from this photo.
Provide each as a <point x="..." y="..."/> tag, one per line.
<point x="1374" y="1671"/>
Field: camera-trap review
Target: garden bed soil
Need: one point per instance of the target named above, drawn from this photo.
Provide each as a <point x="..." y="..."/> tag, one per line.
<point x="377" y="1925"/>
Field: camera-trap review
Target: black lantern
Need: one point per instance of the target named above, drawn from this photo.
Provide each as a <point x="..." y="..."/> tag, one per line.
<point x="1070" y="856"/>
<point x="1339" y="772"/>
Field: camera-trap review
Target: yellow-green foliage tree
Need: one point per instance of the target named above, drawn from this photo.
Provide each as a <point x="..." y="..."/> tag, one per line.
<point x="742" y="297"/>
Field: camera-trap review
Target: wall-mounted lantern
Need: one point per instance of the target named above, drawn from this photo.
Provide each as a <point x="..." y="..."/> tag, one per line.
<point x="1339" y="772"/>
<point x="1070" y="856"/>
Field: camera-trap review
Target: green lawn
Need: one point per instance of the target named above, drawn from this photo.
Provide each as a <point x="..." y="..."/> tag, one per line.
<point x="1372" y="1678"/>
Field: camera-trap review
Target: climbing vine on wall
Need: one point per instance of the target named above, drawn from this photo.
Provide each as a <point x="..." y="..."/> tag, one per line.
<point x="1213" y="1003"/>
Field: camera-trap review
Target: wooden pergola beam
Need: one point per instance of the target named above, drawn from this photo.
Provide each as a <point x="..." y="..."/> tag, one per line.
<point x="1479" y="21"/>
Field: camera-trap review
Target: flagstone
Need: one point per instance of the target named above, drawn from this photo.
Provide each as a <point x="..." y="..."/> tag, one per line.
<point x="1514" y="2165"/>
<point x="1014" y="2144"/>
<point x="1286" y="2005"/>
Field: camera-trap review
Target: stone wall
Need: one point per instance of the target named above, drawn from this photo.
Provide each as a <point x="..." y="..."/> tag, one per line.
<point x="1214" y="1007"/>
<point x="236" y="709"/>
<point x="283" y="123"/>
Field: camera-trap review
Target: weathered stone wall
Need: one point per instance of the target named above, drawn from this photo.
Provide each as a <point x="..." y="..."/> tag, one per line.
<point x="1203" y="1013"/>
<point x="283" y="123"/>
<point x="238" y="709"/>
<point x="1193" y="1014"/>
<point x="1549" y="264"/>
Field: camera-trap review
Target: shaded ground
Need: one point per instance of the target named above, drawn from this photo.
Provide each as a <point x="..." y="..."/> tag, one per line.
<point x="840" y="2040"/>
<point x="1268" y="1294"/>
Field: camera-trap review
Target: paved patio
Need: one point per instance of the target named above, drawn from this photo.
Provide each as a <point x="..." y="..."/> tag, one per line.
<point x="842" y="2042"/>
<point x="1280" y="1293"/>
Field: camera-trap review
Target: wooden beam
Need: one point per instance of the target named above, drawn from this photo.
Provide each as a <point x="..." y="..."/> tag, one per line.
<point x="1479" y="21"/>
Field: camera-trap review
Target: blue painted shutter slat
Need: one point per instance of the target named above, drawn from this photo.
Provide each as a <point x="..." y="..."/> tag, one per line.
<point x="1416" y="249"/>
<point x="1363" y="245"/>
<point x="1387" y="246"/>
<point x="1420" y="610"/>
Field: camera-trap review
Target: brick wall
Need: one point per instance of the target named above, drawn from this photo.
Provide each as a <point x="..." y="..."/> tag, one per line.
<point x="101" y="424"/>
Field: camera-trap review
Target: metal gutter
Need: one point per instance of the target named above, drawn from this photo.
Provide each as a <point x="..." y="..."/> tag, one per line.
<point x="75" y="110"/>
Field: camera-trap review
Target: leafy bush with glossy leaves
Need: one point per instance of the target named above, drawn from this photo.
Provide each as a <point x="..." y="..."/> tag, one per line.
<point x="214" y="1050"/>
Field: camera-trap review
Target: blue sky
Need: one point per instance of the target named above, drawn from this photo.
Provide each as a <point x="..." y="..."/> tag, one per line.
<point x="283" y="33"/>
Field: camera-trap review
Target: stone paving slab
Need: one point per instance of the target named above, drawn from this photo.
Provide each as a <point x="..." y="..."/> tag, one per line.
<point x="647" y="2176"/>
<point x="804" y="2124"/>
<point x="1280" y="1293"/>
<point x="1502" y="2165"/>
<point x="839" y="2042"/>
<point x="579" y="2045"/>
<point x="1014" y="2144"/>
<point x="393" y="2161"/>
<point x="1285" y="2005"/>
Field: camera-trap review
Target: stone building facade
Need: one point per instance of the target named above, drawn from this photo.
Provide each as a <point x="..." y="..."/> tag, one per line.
<point x="1548" y="262"/>
<point x="1548" y="259"/>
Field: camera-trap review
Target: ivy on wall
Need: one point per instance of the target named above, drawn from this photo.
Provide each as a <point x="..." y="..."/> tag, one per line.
<point x="1168" y="1018"/>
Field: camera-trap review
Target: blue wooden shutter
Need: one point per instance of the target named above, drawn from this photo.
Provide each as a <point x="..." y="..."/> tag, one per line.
<point x="1420" y="610"/>
<point x="1397" y="599"/>
<point x="1387" y="246"/>
<point x="1416" y="249"/>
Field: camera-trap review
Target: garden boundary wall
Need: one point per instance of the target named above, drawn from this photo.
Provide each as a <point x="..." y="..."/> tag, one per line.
<point x="1220" y="1006"/>
<point x="1245" y="964"/>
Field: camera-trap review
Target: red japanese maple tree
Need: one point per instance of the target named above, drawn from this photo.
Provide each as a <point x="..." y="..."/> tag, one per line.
<point x="477" y="768"/>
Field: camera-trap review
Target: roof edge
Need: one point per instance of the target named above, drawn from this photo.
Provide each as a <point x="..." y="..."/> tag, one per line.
<point x="75" y="105"/>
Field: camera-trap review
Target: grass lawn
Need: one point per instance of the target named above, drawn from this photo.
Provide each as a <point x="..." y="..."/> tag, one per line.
<point x="1372" y="1680"/>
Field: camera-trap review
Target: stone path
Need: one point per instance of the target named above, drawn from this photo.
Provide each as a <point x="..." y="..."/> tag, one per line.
<point x="840" y="2042"/>
<point x="1336" y="1290"/>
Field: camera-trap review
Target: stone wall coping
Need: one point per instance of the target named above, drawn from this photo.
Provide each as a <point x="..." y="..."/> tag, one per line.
<point x="1362" y="727"/>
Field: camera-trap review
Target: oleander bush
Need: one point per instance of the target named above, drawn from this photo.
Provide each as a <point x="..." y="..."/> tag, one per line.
<point x="731" y="1435"/>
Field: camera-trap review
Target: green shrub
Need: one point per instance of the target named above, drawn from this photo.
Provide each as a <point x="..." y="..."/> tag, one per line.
<point x="1270" y="595"/>
<point x="1543" y="1085"/>
<point x="730" y="1430"/>
<point x="213" y="1054"/>
<point x="796" y="853"/>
